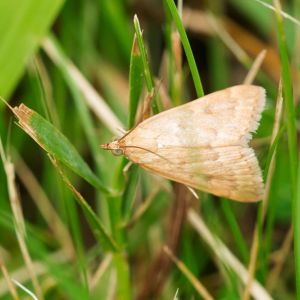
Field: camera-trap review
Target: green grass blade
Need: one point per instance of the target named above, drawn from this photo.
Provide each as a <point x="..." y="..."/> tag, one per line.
<point x="292" y="137"/>
<point x="147" y="73"/>
<point x="296" y="209"/>
<point x="23" y="24"/>
<point x="272" y="150"/>
<point x="130" y="192"/>
<point x="56" y="144"/>
<point x="289" y="99"/>
<point x="135" y="82"/>
<point x="187" y="47"/>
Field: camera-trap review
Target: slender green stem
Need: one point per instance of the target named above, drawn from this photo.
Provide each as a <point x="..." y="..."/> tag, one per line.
<point x="187" y="47"/>
<point x="296" y="224"/>
<point x="292" y="138"/>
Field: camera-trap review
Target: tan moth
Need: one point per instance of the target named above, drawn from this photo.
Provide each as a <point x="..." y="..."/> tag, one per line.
<point x="203" y="144"/>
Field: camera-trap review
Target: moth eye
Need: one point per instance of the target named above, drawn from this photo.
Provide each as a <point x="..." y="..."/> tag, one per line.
<point x="117" y="152"/>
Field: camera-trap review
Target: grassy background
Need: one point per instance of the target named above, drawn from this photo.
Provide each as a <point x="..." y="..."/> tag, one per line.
<point x="107" y="242"/>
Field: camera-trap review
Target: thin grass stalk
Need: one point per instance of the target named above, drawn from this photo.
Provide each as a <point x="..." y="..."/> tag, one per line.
<point x="280" y="11"/>
<point x="44" y="205"/>
<point x="199" y="287"/>
<point x="7" y="277"/>
<point x="258" y="292"/>
<point x="292" y="138"/>
<point x="19" y="221"/>
<point x="187" y="47"/>
<point x="282" y="254"/>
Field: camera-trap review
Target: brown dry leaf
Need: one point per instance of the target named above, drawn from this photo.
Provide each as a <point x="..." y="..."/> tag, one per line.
<point x="203" y="144"/>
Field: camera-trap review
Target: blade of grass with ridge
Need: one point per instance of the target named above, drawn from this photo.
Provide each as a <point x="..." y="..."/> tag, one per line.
<point x="55" y="143"/>
<point x="187" y="48"/>
<point x="287" y="84"/>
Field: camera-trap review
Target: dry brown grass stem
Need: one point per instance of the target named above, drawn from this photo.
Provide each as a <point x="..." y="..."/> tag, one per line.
<point x="102" y="268"/>
<point x="199" y="287"/>
<point x="142" y="208"/>
<point x="19" y="220"/>
<point x="255" y="67"/>
<point x="21" y="275"/>
<point x="224" y="255"/>
<point x="44" y="206"/>
<point x="227" y="39"/>
<point x="10" y="285"/>
<point x="280" y="258"/>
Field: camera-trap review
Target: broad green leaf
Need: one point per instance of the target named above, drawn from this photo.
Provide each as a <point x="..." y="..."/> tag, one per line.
<point x="23" y="24"/>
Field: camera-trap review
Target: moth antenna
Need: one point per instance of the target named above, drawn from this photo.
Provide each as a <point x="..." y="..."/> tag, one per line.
<point x="147" y="150"/>
<point x="129" y="131"/>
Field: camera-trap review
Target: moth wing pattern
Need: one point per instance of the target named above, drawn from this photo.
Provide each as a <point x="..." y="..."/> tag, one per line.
<point x="204" y="143"/>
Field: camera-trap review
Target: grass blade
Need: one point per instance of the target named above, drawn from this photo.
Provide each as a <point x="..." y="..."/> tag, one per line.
<point x="147" y="73"/>
<point x="292" y="135"/>
<point x="202" y="291"/>
<point x="23" y="25"/>
<point x="187" y="47"/>
<point x="55" y="143"/>
<point x="135" y="82"/>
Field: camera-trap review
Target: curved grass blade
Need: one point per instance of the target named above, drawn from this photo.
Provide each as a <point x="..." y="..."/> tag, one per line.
<point x="55" y="143"/>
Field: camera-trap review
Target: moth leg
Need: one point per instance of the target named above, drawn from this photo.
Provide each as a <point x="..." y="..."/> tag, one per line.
<point x="193" y="192"/>
<point x="127" y="167"/>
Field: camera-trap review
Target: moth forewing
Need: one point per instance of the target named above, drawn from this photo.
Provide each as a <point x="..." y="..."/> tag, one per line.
<point x="204" y="143"/>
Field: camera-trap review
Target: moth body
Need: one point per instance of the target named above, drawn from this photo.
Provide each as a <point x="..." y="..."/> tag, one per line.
<point x="203" y="144"/>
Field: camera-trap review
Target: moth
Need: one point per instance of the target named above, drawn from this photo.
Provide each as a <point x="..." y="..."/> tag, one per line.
<point x="203" y="144"/>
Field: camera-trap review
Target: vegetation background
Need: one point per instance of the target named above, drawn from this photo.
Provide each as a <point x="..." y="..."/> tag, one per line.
<point x="77" y="226"/>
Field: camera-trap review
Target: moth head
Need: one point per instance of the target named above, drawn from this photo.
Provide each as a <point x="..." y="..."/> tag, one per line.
<point x="114" y="146"/>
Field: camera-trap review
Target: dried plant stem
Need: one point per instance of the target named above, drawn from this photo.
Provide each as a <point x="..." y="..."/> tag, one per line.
<point x="142" y="209"/>
<point x="10" y="285"/>
<point x="19" y="220"/>
<point x="283" y="14"/>
<point x="228" y="40"/>
<point x="281" y="256"/>
<point x="22" y="276"/>
<point x="255" y="67"/>
<point x="45" y="207"/>
<point x="222" y="252"/>
<point x="199" y="287"/>
<point x="103" y="266"/>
